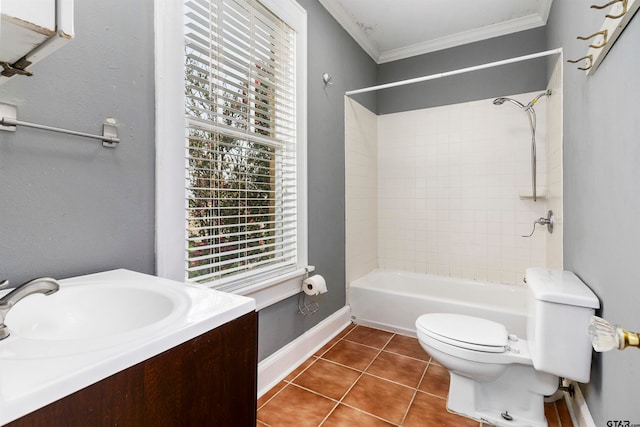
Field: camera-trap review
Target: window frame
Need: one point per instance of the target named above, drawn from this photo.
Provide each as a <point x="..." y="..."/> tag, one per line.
<point x="171" y="197"/>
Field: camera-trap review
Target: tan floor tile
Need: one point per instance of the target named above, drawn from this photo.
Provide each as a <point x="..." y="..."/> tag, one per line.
<point x="401" y="369"/>
<point x="334" y="340"/>
<point x="328" y="379"/>
<point x="369" y="336"/>
<point x="407" y="346"/>
<point x="295" y="407"/>
<point x="432" y="411"/>
<point x="304" y="365"/>
<point x="270" y="393"/>
<point x="563" y="412"/>
<point x="346" y="330"/>
<point x="289" y="405"/>
<point x="380" y="397"/>
<point x="351" y="354"/>
<point x="435" y="381"/>
<point x="326" y="347"/>
<point x="551" y="415"/>
<point x="434" y="362"/>
<point x="344" y="416"/>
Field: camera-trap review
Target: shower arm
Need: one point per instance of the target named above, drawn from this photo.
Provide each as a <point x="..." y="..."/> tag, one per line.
<point x="532" y="122"/>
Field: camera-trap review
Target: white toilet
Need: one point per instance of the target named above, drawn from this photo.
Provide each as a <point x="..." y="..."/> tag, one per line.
<point x="502" y="379"/>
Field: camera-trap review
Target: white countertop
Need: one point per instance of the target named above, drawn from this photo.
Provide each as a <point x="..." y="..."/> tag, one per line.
<point x="51" y="370"/>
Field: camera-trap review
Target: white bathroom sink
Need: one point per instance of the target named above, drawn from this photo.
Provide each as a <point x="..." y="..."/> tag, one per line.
<point x="95" y="311"/>
<point x="90" y="315"/>
<point x="98" y="325"/>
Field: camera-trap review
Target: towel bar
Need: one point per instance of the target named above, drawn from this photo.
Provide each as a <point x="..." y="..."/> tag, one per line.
<point x="8" y="122"/>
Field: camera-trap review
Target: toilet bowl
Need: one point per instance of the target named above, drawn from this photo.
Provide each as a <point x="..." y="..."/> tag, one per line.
<point x="484" y="363"/>
<point x="501" y="379"/>
<point x="483" y="347"/>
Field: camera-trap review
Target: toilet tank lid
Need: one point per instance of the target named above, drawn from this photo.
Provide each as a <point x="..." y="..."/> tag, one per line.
<point x="560" y="286"/>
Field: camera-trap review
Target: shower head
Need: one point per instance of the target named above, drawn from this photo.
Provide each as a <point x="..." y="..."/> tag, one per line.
<point x="529" y="106"/>
<point x="500" y="101"/>
<point x="531" y="113"/>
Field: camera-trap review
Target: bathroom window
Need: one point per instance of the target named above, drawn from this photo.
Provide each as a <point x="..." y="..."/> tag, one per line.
<point x="244" y="152"/>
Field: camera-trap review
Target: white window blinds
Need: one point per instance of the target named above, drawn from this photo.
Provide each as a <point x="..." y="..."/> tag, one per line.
<point x="240" y="142"/>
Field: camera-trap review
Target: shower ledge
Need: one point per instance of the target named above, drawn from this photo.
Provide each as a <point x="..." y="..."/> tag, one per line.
<point x="526" y="193"/>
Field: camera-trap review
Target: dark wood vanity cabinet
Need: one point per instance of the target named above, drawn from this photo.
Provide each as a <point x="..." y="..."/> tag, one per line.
<point x="210" y="380"/>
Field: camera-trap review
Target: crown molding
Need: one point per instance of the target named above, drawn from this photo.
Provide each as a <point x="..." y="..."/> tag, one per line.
<point x="360" y="35"/>
<point x="350" y="26"/>
<point x="465" y="37"/>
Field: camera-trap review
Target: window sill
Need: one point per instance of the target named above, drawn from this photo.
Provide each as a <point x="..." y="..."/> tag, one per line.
<point x="276" y="289"/>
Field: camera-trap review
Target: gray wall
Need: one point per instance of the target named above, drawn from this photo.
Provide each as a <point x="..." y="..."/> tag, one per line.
<point x="331" y="50"/>
<point x="67" y="205"/>
<point x="509" y="79"/>
<point x="601" y="187"/>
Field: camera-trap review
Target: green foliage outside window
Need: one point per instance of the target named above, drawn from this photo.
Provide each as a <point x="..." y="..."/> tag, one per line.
<point x="231" y="182"/>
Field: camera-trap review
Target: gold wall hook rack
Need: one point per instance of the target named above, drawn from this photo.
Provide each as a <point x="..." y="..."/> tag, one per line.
<point x="603" y="33"/>
<point x="589" y="59"/>
<point x="611" y="3"/>
<point x="618" y="17"/>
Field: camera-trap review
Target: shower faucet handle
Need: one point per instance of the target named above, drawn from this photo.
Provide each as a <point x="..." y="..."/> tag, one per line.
<point x="548" y="221"/>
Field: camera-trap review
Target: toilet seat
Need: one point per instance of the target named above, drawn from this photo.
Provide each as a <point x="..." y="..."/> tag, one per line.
<point x="513" y="352"/>
<point x="471" y="333"/>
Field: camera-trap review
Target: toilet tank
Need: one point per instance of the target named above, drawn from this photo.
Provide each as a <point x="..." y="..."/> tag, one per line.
<point x="559" y="307"/>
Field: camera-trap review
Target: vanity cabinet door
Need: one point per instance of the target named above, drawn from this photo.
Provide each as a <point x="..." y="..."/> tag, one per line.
<point x="210" y="380"/>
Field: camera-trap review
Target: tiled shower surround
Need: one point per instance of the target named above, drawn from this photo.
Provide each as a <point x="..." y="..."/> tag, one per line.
<point x="444" y="190"/>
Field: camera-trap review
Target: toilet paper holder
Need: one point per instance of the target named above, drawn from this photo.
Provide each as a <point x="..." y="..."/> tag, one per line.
<point x="310" y="287"/>
<point x="314" y="285"/>
<point x="306" y="308"/>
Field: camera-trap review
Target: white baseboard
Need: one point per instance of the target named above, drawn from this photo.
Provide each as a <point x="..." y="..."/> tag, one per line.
<point x="578" y="409"/>
<point x="281" y="363"/>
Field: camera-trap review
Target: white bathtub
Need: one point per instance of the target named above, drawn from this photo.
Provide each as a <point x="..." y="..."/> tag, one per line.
<point x="393" y="300"/>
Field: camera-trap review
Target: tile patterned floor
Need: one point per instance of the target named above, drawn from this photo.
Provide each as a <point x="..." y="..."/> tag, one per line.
<point x="368" y="377"/>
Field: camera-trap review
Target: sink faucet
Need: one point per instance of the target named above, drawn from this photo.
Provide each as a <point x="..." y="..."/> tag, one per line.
<point x="43" y="285"/>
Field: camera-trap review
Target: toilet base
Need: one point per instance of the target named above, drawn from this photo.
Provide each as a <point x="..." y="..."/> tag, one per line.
<point x="518" y="393"/>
